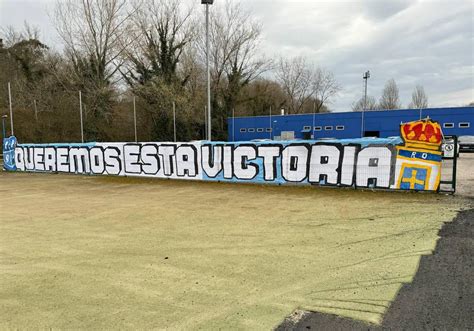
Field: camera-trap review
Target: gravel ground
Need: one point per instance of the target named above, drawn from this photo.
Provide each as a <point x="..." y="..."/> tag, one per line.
<point x="465" y="175"/>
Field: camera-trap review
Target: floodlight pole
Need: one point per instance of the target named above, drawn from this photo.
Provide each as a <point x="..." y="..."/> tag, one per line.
<point x="366" y="78"/>
<point x="209" y="120"/>
<point x="205" y="123"/>
<point x="11" y="109"/>
<point x="80" y="112"/>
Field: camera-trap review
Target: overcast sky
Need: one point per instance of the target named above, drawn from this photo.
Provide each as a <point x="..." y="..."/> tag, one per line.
<point x="415" y="42"/>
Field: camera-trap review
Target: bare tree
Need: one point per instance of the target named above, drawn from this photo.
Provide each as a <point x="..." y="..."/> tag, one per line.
<point x="296" y="79"/>
<point x="361" y="105"/>
<point x="159" y="33"/>
<point x="11" y="36"/>
<point x="303" y="83"/>
<point x="325" y="88"/>
<point x="418" y="98"/>
<point x="390" y="96"/>
<point x="235" y="57"/>
<point x="235" y="41"/>
<point x="92" y="32"/>
<point x="160" y="64"/>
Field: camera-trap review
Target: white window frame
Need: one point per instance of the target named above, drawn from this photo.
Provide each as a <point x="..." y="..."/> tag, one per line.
<point x="243" y="130"/>
<point x="448" y="125"/>
<point x="307" y="127"/>
<point x="464" y="125"/>
<point x="340" y="127"/>
<point x="251" y="130"/>
<point x="260" y="130"/>
<point x="318" y="128"/>
<point x="326" y="128"/>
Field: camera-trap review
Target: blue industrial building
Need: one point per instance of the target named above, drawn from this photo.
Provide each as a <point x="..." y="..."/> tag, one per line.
<point x="457" y="121"/>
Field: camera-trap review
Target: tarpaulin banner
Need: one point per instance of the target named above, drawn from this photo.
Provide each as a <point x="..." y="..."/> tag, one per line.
<point x="412" y="162"/>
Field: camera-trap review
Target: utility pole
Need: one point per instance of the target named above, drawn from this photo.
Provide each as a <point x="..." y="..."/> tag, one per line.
<point x="135" y="119"/>
<point x="80" y="112"/>
<point x="174" y="121"/>
<point x="366" y="78"/>
<point x="11" y="109"/>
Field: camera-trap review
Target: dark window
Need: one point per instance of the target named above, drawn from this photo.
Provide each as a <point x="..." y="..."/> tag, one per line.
<point x="340" y="127"/>
<point x="251" y="130"/>
<point x="268" y="129"/>
<point x="259" y="130"/>
<point x="328" y="128"/>
<point x="243" y="130"/>
<point x="372" y="134"/>
<point x="318" y="128"/>
<point x="307" y="127"/>
<point x="464" y="125"/>
<point x="448" y="125"/>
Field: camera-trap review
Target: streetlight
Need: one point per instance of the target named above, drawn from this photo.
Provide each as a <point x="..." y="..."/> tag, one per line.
<point x="366" y="78"/>
<point x="207" y="3"/>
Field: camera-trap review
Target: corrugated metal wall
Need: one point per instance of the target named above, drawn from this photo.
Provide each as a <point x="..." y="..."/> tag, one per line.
<point x="457" y="121"/>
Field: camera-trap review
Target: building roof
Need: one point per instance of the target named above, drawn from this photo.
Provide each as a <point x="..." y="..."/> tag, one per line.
<point x="357" y="112"/>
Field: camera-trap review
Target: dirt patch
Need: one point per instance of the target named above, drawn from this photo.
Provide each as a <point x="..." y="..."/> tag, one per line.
<point x="91" y="252"/>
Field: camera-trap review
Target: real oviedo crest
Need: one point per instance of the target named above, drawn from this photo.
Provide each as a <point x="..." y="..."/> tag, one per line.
<point x="9" y="145"/>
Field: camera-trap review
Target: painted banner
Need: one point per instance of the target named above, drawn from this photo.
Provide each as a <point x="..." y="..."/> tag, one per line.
<point x="412" y="162"/>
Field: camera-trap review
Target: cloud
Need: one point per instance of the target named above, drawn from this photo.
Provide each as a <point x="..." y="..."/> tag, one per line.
<point x="414" y="42"/>
<point x="35" y="12"/>
<point x="382" y="10"/>
<point x="428" y="42"/>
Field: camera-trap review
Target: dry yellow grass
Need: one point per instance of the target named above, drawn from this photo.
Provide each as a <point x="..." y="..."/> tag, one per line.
<point x="91" y="252"/>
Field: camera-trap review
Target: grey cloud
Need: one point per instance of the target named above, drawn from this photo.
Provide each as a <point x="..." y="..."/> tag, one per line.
<point x="426" y="42"/>
<point x="381" y="10"/>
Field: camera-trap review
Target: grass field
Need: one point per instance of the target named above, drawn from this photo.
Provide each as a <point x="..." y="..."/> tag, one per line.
<point x="96" y="252"/>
